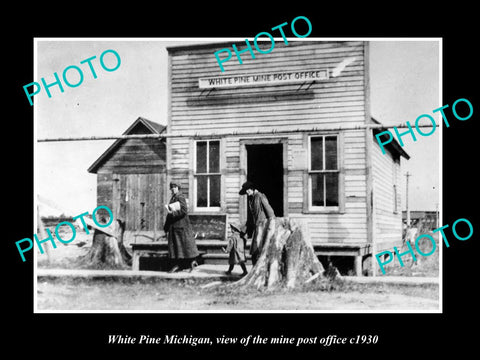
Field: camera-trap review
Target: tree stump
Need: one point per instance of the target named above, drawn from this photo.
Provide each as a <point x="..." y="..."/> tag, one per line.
<point x="287" y="258"/>
<point x="108" y="251"/>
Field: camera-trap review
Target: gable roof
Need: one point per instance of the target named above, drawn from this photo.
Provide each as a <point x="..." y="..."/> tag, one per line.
<point x="139" y="126"/>
<point x="155" y="128"/>
<point x="393" y="146"/>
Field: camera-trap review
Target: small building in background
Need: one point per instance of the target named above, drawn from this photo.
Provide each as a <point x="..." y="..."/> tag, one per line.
<point x="131" y="181"/>
<point x="425" y="219"/>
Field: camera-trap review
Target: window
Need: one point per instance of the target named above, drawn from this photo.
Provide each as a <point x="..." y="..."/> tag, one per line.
<point x="395" y="199"/>
<point x="323" y="172"/>
<point x="207" y="174"/>
<point x="395" y="167"/>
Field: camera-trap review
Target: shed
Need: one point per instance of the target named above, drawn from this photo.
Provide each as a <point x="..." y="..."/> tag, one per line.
<point x="131" y="176"/>
<point x="295" y="122"/>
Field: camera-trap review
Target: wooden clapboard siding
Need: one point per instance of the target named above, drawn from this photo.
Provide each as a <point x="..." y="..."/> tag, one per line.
<point x="136" y="156"/>
<point x="336" y="227"/>
<point x="388" y="223"/>
<point x="180" y="162"/>
<point x="337" y="100"/>
<point x="354" y="150"/>
<point x="321" y="47"/>
<point x="232" y="179"/>
<point x="206" y="62"/>
<point x="296" y="172"/>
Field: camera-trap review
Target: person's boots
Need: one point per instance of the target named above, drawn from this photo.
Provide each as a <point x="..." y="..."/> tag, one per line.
<point x="244" y="269"/>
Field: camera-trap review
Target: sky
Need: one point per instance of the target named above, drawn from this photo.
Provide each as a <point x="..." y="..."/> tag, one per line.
<point x="404" y="83"/>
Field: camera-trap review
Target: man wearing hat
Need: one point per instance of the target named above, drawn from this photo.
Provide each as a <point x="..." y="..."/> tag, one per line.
<point x="182" y="248"/>
<point x="260" y="218"/>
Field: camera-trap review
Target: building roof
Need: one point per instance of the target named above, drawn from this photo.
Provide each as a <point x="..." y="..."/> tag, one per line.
<point x="200" y="45"/>
<point x="393" y="146"/>
<point x="139" y="126"/>
<point x="155" y="127"/>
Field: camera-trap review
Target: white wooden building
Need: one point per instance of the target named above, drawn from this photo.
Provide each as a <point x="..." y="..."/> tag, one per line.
<point x="294" y="122"/>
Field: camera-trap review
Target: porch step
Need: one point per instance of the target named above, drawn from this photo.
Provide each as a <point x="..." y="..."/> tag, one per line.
<point x="215" y="259"/>
<point x="218" y="259"/>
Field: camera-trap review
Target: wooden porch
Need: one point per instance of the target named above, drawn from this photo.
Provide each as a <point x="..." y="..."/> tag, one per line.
<point x="211" y="253"/>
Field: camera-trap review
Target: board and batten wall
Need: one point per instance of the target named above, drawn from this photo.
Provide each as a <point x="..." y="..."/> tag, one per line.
<point x="338" y="101"/>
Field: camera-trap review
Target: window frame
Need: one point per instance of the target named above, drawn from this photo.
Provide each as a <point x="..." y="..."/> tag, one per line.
<point x="206" y="174"/>
<point x="308" y="207"/>
<point x="396" y="192"/>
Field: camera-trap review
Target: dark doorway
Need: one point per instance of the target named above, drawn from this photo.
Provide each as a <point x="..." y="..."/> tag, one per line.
<point x="265" y="170"/>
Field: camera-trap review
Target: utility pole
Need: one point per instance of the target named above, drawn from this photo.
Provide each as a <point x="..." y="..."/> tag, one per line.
<point x="408" y="209"/>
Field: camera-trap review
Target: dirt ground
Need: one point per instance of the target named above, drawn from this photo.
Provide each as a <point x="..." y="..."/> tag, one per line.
<point x="161" y="294"/>
<point x="71" y="294"/>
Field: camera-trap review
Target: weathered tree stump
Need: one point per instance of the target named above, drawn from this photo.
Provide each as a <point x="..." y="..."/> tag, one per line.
<point x="287" y="258"/>
<point x="107" y="250"/>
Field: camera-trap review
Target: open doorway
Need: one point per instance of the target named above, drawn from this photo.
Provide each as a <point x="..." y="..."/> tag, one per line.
<point x="265" y="170"/>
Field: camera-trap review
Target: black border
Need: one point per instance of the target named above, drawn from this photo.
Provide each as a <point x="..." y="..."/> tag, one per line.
<point x="60" y="335"/>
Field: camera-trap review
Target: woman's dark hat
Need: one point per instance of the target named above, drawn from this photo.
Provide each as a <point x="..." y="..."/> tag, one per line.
<point x="246" y="185"/>
<point x="241" y="229"/>
<point x="172" y="185"/>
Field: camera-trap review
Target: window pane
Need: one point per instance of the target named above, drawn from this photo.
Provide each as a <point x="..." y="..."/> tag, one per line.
<point x="317" y="190"/>
<point x="316" y="148"/>
<point x="201" y="156"/>
<point x="202" y="191"/>
<point x="214" y="157"/>
<point x="332" y="189"/>
<point x="331" y="152"/>
<point x="215" y="190"/>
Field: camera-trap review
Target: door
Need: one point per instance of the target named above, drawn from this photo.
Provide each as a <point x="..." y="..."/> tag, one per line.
<point x="138" y="200"/>
<point x="265" y="170"/>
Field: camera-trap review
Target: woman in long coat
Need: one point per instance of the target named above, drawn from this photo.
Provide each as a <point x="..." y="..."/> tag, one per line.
<point x="182" y="248"/>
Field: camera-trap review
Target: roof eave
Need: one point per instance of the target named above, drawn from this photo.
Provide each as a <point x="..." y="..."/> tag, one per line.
<point x="147" y="123"/>
<point x="393" y="145"/>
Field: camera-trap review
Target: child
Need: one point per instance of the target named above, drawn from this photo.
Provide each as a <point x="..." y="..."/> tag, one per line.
<point x="236" y="248"/>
